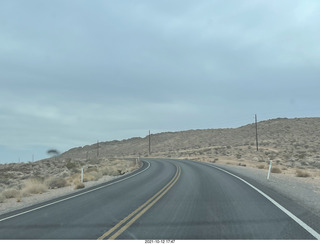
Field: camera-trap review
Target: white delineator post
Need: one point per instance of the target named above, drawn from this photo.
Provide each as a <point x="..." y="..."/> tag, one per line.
<point x="81" y="175"/>
<point x="269" y="170"/>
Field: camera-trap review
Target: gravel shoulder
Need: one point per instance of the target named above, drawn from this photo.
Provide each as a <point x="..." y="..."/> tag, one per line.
<point x="304" y="191"/>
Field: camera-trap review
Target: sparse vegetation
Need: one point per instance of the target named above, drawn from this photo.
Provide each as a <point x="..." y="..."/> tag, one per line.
<point x="300" y="173"/>
<point x="70" y="165"/>
<point x="79" y="185"/>
<point x="2" y="198"/>
<point x="33" y="186"/>
<point x="25" y="179"/>
<point x="18" y="198"/>
<point x="10" y="193"/>
<point x="56" y="182"/>
<point x="276" y="170"/>
<point x="92" y="176"/>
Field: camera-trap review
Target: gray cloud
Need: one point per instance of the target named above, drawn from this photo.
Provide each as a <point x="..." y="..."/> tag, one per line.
<point x="73" y="72"/>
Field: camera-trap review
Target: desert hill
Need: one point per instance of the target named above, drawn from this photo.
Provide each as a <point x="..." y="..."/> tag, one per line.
<point x="291" y="142"/>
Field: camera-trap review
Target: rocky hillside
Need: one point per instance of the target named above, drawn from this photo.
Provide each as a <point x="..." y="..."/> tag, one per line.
<point x="290" y="142"/>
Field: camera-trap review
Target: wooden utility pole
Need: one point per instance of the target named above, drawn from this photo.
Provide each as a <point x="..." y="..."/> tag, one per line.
<point x="256" y="132"/>
<point x="97" y="148"/>
<point x="149" y="143"/>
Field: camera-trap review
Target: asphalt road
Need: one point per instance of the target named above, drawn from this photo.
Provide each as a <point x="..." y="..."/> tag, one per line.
<point x="166" y="199"/>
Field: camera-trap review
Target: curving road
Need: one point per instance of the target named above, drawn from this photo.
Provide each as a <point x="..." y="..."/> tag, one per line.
<point x="166" y="199"/>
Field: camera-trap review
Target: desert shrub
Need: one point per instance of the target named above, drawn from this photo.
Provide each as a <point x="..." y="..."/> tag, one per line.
<point x="2" y="198"/>
<point x="105" y="171"/>
<point x="96" y="175"/>
<point x="65" y="174"/>
<point x="300" y="173"/>
<point x="112" y="171"/>
<point x="260" y="166"/>
<point x="92" y="176"/>
<point x="91" y="168"/>
<point x="18" y="198"/>
<point x="301" y="155"/>
<point x="276" y="170"/>
<point x="56" y="182"/>
<point x="79" y="185"/>
<point x="73" y="178"/>
<point x="10" y="193"/>
<point x="71" y="165"/>
<point x="33" y="186"/>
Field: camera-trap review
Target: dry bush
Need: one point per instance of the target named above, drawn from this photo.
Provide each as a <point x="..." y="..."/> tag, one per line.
<point x="300" y="173"/>
<point x="18" y="198"/>
<point x="118" y="167"/>
<point x="56" y="182"/>
<point x="79" y="185"/>
<point x="110" y="170"/>
<point x="117" y="162"/>
<point x="104" y="170"/>
<point x="260" y="166"/>
<point x="33" y="186"/>
<point x="92" y="176"/>
<point x="96" y="175"/>
<point x="73" y="179"/>
<point x="11" y="193"/>
<point x="2" y="198"/>
<point x="276" y="170"/>
<point x="71" y="165"/>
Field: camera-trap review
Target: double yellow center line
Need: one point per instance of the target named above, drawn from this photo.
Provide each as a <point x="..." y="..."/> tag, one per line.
<point x="124" y="224"/>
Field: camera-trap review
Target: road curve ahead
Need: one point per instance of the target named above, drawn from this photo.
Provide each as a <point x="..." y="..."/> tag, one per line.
<point x="166" y="199"/>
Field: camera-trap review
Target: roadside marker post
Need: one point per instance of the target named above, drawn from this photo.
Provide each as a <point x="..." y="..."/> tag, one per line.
<point x="269" y="170"/>
<point x="81" y="175"/>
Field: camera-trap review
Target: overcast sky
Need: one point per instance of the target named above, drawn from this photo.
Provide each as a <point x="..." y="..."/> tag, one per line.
<point x="74" y="72"/>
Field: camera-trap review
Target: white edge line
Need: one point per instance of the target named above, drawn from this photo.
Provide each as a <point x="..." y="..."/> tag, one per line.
<point x="287" y="212"/>
<point x="80" y="194"/>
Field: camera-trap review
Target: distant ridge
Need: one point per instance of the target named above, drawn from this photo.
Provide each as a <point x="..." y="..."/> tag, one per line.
<point x="281" y="134"/>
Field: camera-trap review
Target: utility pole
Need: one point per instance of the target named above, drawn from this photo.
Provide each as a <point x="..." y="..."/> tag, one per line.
<point x="256" y="132"/>
<point x="149" y="143"/>
<point x="97" y="148"/>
